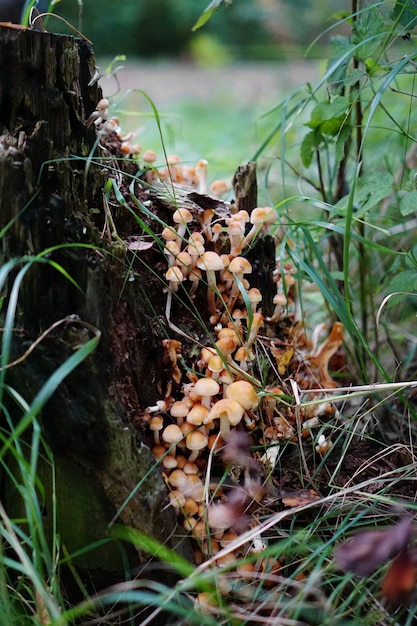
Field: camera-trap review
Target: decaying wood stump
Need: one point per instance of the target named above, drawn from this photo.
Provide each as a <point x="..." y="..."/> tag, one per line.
<point x="50" y="196"/>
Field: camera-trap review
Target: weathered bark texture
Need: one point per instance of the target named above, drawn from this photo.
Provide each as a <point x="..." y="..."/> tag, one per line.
<point x="49" y="197"/>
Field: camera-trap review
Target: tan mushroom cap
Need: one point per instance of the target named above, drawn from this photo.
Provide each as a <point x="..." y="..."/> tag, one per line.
<point x="182" y="216"/>
<point x="226" y="408"/>
<point x="244" y="393"/>
<point x="197" y="415"/>
<point x="206" y="387"/>
<point x="240" y="265"/>
<point x="195" y="441"/>
<point x="263" y="214"/>
<point x="210" y="261"/>
<point x="172" y="434"/>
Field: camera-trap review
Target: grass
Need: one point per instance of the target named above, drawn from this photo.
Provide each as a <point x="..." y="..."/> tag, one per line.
<point x="344" y="243"/>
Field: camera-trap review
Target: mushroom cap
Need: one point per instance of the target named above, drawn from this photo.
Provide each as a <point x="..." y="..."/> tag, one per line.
<point x="172" y="434"/>
<point x="179" y="409"/>
<point x="226" y="407"/>
<point x="196" y="440"/>
<point x="240" y="265"/>
<point x="210" y="261"/>
<point x="156" y="422"/>
<point x="241" y="216"/>
<point x="172" y="247"/>
<point x="206" y="387"/>
<point x="242" y="354"/>
<point x="215" y="364"/>
<point x="102" y="104"/>
<point x="182" y="216"/>
<point x="280" y="298"/>
<point x="226" y="345"/>
<point x="254" y="295"/>
<point x="169" y="234"/>
<point x="244" y="393"/>
<point x="179" y="479"/>
<point x="174" y="275"/>
<point x="263" y="214"/>
<point x="149" y="156"/>
<point x="219" y="187"/>
<point x="197" y="415"/>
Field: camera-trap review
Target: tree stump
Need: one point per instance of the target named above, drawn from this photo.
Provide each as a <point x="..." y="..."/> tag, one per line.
<point x="51" y="197"/>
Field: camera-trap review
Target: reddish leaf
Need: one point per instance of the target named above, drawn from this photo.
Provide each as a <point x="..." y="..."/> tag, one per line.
<point x="401" y="578"/>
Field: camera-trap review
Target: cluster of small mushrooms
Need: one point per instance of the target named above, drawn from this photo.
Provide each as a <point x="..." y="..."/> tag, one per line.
<point x="223" y="411"/>
<point x="222" y="398"/>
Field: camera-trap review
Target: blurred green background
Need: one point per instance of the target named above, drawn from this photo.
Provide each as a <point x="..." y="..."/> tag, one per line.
<point x="211" y="87"/>
<point x="254" y="29"/>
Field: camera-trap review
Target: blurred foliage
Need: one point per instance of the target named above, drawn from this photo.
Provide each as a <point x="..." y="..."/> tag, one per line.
<point x="251" y="28"/>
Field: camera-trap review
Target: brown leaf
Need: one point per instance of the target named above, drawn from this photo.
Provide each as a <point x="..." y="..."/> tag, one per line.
<point x="299" y="497"/>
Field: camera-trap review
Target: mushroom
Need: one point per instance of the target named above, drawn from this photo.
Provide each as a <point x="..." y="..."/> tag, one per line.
<point x="172" y="349"/>
<point x="228" y="411"/>
<point x="172" y="435"/>
<point x="173" y="171"/>
<point x="195" y="441"/>
<point x="194" y="277"/>
<point x="238" y="267"/>
<point x="323" y="445"/>
<point x="219" y="187"/>
<point x="260" y="217"/>
<point x="197" y="415"/>
<point x="171" y="251"/>
<point x="280" y="302"/>
<point x="205" y="388"/>
<point x="156" y="424"/>
<point x="244" y="393"/>
<point x="205" y="221"/>
<point x="215" y="366"/>
<point x="184" y="262"/>
<point x="179" y="480"/>
<point x="174" y="277"/>
<point x="179" y="410"/>
<point x="182" y="217"/>
<point x="257" y="321"/>
<point x="236" y="234"/>
<point x="211" y="262"/>
<point x="255" y="297"/>
<point x="201" y="169"/>
<point x="100" y="114"/>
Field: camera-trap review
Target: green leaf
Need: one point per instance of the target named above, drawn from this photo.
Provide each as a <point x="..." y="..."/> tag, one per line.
<point x="405" y="11"/>
<point x="342" y="52"/>
<point x="328" y="116"/>
<point x="309" y="145"/>
<point x="208" y="12"/>
<point x="405" y="283"/>
<point x="341" y="140"/>
<point x="368" y="31"/>
<point x="371" y="189"/>
<point x="408" y="203"/>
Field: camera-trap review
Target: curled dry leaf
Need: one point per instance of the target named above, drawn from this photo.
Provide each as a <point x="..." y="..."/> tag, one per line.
<point x="139" y="244"/>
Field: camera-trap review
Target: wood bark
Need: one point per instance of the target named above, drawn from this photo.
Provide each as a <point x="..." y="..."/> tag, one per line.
<point x="51" y="196"/>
